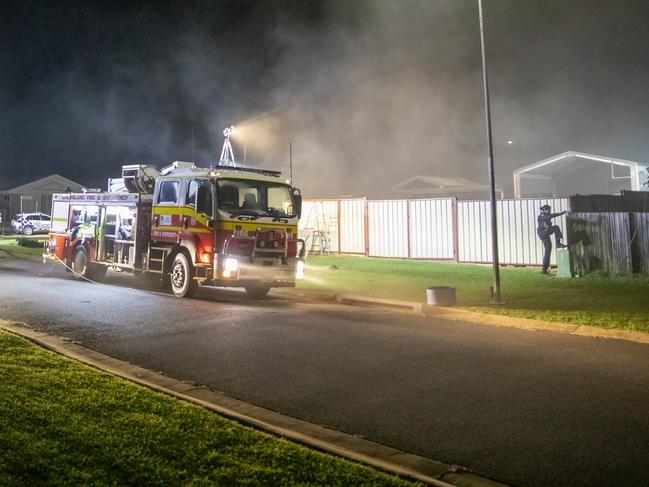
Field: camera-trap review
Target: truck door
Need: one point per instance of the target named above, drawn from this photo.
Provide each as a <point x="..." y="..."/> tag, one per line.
<point x="197" y="213"/>
<point x="167" y="218"/>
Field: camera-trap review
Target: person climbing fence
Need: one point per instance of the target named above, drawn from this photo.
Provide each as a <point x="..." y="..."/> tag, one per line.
<point x="545" y="230"/>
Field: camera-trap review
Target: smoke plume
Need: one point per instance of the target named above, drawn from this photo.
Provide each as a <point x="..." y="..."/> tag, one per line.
<point x="368" y="93"/>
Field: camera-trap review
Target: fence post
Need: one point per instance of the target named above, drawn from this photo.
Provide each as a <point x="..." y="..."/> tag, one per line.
<point x="366" y="228"/>
<point x="456" y="246"/>
<point x="339" y="226"/>
<point x="408" y="227"/>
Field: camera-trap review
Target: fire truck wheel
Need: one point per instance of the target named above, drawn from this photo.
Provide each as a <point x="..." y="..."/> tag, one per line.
<point x="28" y="230"/>
<point x="80" y="263"/>
<point x="257" y="291"/>
<point x="183" y="283"/>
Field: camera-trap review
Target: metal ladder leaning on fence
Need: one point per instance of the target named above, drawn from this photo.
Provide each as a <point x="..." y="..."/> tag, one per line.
<point x="316" y="229"/>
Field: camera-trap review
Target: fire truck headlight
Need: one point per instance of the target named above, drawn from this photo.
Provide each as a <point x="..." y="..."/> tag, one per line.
<point x="299" y="270"/>
<point x="231" y="264"/>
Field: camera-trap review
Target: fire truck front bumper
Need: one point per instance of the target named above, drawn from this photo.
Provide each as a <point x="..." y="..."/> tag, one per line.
<point x="233" y="270"/>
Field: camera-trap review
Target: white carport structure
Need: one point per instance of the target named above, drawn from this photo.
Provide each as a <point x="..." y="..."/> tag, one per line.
<point x="579" y="173"/>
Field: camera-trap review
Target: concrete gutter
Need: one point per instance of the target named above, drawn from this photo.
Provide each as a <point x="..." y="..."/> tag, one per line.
<point x="466" y="316"/>
<point x="351" y="447"/>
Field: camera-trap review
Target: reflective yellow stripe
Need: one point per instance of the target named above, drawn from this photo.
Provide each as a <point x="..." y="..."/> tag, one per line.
<point x="180" y="229"/>
<point x="167" y="229"/>
<point x="60" y="219"/>
<point x="245" y="225"/>
<point x="184" y="211"/>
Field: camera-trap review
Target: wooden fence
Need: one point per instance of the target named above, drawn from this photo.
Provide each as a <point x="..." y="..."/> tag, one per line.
<point x="610" y="232"/>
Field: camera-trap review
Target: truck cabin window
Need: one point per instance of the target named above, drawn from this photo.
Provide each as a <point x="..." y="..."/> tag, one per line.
<point x="168" y="194"/>
<point x="81" y="215"/>
<point x="199" y="196"/>
<point x="255" y="198"/>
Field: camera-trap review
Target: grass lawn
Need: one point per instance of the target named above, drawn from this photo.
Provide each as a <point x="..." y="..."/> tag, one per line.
<point x="10" y="244"/>
<point x="606" y="301"/>
<point x="64" y="423"/>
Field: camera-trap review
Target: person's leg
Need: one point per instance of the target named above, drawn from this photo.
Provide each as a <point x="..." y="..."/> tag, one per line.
<point x="547" y="250"/>
<point x="558" y="236"/>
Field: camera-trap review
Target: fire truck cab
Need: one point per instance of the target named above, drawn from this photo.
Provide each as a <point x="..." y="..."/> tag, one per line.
<point x="187" y="225"/>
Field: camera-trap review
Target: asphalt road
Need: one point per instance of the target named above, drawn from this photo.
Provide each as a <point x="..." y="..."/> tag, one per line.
<point x="528" y="408"/>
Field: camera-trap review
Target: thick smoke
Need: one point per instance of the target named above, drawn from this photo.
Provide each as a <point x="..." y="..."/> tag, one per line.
<point x="378" y="94"/>
<point x="389" y="90"/>
<point x="369" y="93"/>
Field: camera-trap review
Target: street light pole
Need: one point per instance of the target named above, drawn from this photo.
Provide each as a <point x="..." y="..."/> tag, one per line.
<point x="490" y="161"/>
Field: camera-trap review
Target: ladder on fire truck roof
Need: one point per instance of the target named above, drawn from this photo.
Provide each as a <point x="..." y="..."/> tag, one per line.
<point x="227" y="154"/>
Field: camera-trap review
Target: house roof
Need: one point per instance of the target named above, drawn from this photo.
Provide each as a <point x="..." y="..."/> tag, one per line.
<point x="436" y="184"/>
<point x="6" y="183"/>
<point x="53" y="182"/>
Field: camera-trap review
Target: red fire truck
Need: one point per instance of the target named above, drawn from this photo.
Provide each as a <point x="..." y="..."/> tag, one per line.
<point x="224" y="226"/>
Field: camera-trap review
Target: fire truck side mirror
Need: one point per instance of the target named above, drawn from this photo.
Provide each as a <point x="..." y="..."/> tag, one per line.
<point x="297" y="199"/>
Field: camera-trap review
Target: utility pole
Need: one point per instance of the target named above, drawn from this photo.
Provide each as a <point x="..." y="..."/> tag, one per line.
<point x="490" y="162"/>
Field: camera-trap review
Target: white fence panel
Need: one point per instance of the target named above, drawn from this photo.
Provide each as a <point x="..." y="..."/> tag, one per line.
<point x="388" y="228"/>
<point x="307" y="210"/>
<point x="424" y="228"/>
<point x="320" y="215"/>
<point x="473" y="231"/>
<point x="517" y="240"/>
<point x="352" y="226"/>
<point x="431" y="228"/>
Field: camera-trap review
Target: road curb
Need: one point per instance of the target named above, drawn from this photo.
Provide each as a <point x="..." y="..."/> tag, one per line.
<point x="315" y="436"/>
<point x="464" y="315"/>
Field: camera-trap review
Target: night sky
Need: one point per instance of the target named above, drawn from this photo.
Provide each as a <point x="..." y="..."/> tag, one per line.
<point x="369" y="93"/>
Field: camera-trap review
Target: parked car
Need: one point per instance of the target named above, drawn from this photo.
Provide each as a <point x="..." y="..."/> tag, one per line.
<point x="29" y="223"/>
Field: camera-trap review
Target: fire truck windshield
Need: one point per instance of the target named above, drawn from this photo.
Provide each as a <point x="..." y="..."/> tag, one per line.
<point x="255" y="198"/>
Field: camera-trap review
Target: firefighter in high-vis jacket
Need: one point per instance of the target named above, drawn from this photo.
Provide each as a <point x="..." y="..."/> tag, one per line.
<point x="84" y="227"/>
